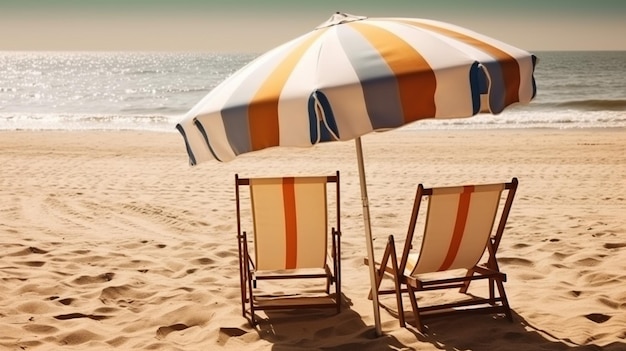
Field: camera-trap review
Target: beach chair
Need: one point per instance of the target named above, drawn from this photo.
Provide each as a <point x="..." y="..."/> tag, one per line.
<point x="290" y="224"/>
<point x="458" y="246"/>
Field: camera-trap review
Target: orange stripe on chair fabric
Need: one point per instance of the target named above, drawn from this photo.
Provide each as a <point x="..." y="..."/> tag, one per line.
<point x="291" y="223"/>
<point x="263" y="108"/>
<point x="459" y="227"/>
<point x="412" y="72"/>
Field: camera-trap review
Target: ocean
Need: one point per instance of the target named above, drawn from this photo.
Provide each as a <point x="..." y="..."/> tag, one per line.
<point x="151" y="91"/>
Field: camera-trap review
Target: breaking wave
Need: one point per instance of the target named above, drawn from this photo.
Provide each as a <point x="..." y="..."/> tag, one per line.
<point x="595" y="105"/>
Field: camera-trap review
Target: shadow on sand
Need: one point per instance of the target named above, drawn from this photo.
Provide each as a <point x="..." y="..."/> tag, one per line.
<point x="489" y="332"/>
<point x="325" y="330"/>
<point x="322" y="329"/>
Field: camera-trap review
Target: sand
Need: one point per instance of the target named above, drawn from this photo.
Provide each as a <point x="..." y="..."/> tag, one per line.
<point x="111" y="241"/>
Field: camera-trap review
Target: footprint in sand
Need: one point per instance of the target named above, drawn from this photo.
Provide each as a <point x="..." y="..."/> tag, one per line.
<point x="614" y="245"/>
<point x="560" y="256"/>
<point x="598" y="317"/>
<point x="227" y="333"/>
<point x="162" y="332"/>
<point x="40" y="328"/>
<point x="575" y="293"/>
<point x="67" y="301"/>
<point x="517" y="261"/>
<point x="32" y="263"/>
<point x="28" y="251"/>
<point x="63" y="317"/>
<point x="124" y="295"/>
<point x="36" y="307"/>
<point x="203" y="261"/>
<point x="85" y="279"/>
<point x="609" y="303"/>
<point x="589" y="262"/>
<point x="78" y="337"/>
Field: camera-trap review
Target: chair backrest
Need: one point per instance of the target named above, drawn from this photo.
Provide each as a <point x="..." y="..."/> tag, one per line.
<point x="290" y="221"/>
<point x="458" y="227"/>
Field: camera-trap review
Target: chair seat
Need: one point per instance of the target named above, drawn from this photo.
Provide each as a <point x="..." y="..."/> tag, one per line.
<point x="303" y="300"/>
<point x="291" y="273"/>
<point x="408" y="271"/>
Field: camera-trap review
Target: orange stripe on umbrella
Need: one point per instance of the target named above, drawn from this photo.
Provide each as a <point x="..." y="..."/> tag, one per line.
<point x="412" y="72"/>
<point x="263" y="109"/>
<point x="510" y="67"/>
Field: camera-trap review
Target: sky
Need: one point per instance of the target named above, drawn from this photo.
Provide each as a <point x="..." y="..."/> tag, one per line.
<point x="258" y="25"/>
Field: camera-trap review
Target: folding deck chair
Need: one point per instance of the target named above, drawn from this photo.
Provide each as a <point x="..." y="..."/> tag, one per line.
<point x="457" y="231"/>
<point x="290" y="241"/>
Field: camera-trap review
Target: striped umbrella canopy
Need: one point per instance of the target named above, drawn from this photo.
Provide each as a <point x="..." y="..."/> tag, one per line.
<point x="353" y="75"/>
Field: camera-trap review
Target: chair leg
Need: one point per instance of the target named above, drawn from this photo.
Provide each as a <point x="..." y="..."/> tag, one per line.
<point x="390" y="252"/>
<point x="338" y="295"/>
<point x="418" y="320"/>
<point x="380" y="272"/>
<point x="328" y="278"/>
<point x="466" y="284"/>
<point x="505" y="301"/>
<point x="396" y="279"/>
<point x="337" y="266"/>
<point x="252" y="311"/>
<point x="249" y="279"/>
<point x="242" y="281"/>
<point x="243" y="292"/>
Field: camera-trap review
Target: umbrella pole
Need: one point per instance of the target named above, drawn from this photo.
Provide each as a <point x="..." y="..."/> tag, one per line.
<point x="368" y="235"/>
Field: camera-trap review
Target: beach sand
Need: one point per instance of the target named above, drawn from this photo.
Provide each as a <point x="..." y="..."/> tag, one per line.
<point x="110" y="240"/>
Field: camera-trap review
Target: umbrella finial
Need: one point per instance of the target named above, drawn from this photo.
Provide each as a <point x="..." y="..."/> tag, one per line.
<point x="340" y="18"/>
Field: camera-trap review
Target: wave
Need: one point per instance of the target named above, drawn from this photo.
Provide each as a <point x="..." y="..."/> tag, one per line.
<point x="162" y="119"/>
<point x="531" y="118"/>
<point x="594" y="105"/>
<point x="163" y="110"/>
<point x="69" y="121"/>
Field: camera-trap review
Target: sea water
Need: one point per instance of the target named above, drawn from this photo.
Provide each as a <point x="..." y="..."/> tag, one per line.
<point x="152" y="90"/>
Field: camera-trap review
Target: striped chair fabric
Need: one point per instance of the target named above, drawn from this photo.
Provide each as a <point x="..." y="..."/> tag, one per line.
<point x="290" y="222"/>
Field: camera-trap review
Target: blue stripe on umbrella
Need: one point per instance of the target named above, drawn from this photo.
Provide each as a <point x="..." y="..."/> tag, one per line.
<point x="313" y="121"/>
<point x="380" y="87"/>
<point x="237" y="128"/>
<point x="497" y="91"/>
<point x="534" y="58"/>
<point x="326" y="131"/>
<point x="478" y="84"/>
<point x="192" y="158"/>
<point x="235" y="113"/>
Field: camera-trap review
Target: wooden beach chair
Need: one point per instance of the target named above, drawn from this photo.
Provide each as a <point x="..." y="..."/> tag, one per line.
<point x="457" y="231"/>
<point x="290" y="241"/>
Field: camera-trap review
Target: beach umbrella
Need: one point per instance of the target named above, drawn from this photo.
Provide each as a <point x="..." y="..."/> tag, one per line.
<point x="350" y="76"/>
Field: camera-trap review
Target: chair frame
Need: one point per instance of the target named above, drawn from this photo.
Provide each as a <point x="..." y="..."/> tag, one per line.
<point x="249" y="275"/>
<point x="485" y="270"/>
